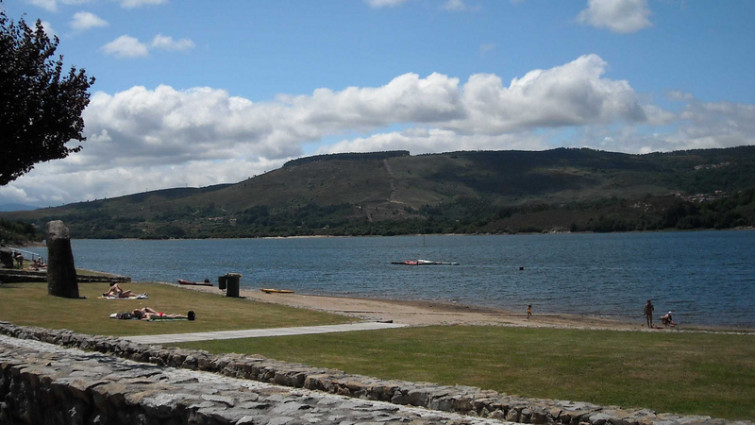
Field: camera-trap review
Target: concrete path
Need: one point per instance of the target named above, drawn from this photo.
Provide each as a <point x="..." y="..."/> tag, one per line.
<point x="256" y="333"/>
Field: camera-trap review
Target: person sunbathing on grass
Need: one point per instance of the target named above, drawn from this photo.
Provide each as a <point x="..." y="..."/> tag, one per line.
<point x="116" y="291"/>
<point x="147" y="313"/>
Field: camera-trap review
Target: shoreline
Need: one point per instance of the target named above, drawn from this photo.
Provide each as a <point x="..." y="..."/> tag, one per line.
<point x="434" y="313"/>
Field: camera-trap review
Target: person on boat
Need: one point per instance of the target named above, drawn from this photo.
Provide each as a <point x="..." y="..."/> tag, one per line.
<point x="649" y="313"/>
<point x="116" y="291"/>
<point x="668" y="320"/>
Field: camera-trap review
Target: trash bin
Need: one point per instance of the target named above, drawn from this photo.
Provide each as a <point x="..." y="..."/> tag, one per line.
<point x="222" y="280"/>
<point x="232" y="281"/>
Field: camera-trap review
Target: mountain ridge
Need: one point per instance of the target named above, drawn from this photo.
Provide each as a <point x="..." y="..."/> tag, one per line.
<point x="393" y="192"/>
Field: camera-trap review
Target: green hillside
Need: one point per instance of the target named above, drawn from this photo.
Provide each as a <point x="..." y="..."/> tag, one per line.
<point x="393" y="192"/>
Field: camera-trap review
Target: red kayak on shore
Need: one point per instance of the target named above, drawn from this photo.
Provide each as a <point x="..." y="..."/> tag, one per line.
<point x="188" y="282"/>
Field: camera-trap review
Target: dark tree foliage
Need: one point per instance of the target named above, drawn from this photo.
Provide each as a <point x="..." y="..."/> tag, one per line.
<point x="17" y="233"/>
<point x="40" y="105"/>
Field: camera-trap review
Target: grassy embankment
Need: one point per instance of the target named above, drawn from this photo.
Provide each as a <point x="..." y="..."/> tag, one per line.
<point x="28" y="304"/>
<point x="688" y="373"/>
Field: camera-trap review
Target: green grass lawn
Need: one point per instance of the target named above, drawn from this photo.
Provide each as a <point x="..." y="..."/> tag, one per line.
<point x="29" y="304"/>
<point x="688" y="373"/>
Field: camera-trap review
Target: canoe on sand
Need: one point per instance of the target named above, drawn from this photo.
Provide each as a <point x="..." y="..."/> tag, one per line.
<point x="276" y="291"/>
<point x="188" y="282"/>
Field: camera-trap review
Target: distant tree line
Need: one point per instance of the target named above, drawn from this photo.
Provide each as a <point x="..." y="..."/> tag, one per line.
<point x="463" y="215"/>
<point x="18" y="233"/>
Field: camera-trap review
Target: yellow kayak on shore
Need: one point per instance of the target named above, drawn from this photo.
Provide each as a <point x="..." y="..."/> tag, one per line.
<point x="276" y="291"/>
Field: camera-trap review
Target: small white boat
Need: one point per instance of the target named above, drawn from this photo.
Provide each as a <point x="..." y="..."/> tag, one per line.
<point x="425" y="263"/>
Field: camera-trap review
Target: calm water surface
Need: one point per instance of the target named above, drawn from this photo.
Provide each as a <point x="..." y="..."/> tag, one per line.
<point x="704" y="277"/>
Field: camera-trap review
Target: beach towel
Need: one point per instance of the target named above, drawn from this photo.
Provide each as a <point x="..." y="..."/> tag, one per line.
<point x="130" y="297"/>
<point x="162" y="319"/>
<point x="129" y="316"/>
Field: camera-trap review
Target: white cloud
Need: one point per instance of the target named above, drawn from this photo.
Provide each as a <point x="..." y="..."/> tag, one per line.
<point x="49" y="185"/>
<point x="567" y="95"/>
<point x="622" y="16"/>
<point x="145" y="139"/>
<point x="716" y="125"/>
<point x="167" y="126"/>
<point x="168" y="43"/>
<point x="384" y="3"/>
<point x="407" y="98"/>
<point x="132" y="4"/>
<point x="486" y="48"/>
<point x="126" y="46"/>
<point x="52" y="5"/>
<point x="429" y="140"/>
<point x="86" y="20"/>
<point x="455" y="5"/>
<point x="49" y="30"/>
<point x="680" y="96"/>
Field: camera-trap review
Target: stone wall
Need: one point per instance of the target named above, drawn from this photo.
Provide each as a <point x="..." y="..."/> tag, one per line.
<point x="22" y="276"/>
<point x="46" y="384"/>
<point x="469" y="401"/>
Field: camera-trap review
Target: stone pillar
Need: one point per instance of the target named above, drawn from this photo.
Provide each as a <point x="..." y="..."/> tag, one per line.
<point x="61" y="272"/>
<point x="7" y="261"/>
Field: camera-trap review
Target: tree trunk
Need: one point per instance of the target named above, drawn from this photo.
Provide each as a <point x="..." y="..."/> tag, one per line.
<point x="61" y="272"/>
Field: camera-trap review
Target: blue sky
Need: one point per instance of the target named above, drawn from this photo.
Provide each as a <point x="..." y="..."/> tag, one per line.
<point x="193" y="93"/>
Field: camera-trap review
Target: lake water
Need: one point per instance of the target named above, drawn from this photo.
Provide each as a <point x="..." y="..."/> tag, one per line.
<point x="704" y="277"/>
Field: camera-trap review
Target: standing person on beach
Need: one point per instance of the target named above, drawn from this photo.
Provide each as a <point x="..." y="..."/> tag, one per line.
<point x="649" y="313"/>
<point x="529" y="311"/>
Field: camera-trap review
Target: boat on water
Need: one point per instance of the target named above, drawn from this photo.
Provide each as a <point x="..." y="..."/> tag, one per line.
<point x="189" y="282"/>
<point x="276" y="291"/>
<point x="425" y="263"/>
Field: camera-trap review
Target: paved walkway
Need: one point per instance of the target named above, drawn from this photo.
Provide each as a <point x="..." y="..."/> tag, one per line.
<point x="256" y="333"/>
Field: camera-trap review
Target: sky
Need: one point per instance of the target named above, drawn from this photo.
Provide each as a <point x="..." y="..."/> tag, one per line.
<point x="191" y="94"/>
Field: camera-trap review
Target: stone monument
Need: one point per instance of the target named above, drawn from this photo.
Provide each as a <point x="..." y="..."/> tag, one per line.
<point x="61" y="272"/>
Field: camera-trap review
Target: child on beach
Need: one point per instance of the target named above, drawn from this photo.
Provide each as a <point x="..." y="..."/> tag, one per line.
<point x="667" y="320"/>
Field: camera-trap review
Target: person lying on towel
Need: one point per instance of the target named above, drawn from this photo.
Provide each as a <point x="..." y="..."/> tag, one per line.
<point x="148" y="313"/>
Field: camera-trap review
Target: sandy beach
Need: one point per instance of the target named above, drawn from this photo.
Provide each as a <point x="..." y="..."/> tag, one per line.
<point x="427" y="313"/>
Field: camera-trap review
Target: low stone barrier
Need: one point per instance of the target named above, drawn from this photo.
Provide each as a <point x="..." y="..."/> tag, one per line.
<point x="21" y="276"/>
<point x="45" y="384"/>
<point x="470" y="401"/>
